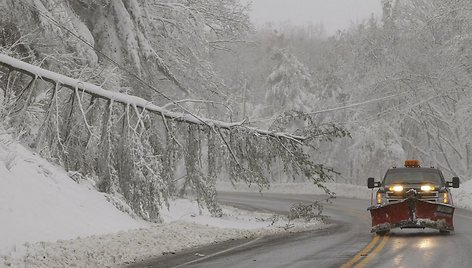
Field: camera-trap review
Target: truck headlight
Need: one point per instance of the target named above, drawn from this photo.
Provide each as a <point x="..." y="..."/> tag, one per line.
<point x="396" y="188"/>
<point x="427" y="188"/>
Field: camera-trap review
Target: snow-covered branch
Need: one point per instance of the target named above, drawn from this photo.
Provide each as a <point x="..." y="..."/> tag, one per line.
<point x="118" y="97"/>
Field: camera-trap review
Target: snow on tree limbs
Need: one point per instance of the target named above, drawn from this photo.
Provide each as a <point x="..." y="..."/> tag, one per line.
<point x="141" y="150"/>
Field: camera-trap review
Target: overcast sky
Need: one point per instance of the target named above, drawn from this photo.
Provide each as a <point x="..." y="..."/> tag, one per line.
<point x="334" y="14"/>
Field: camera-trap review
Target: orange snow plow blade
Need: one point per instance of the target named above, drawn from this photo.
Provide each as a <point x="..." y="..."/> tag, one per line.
<point x="412" y="213"/>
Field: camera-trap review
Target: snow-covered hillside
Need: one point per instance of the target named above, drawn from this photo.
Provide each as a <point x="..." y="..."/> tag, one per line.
<point x="40" y="202"/>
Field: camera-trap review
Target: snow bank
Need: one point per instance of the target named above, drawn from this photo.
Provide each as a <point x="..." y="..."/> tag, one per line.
<point x="341" y="189"/>
<point x="115" y="250"/>
<point x="39" y="202"/>
<point x="189" y="211"/>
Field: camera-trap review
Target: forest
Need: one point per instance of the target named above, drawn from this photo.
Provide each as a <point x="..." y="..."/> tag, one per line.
<point x="279" y="103"/>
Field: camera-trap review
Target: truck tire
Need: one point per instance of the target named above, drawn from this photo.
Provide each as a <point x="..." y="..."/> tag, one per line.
<point x="444" y="232"/>
<point x="382" y="233"/>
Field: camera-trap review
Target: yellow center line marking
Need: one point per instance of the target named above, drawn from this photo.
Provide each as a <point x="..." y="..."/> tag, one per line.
<point x="362" y="253"/>
<point x="374" y="252"/>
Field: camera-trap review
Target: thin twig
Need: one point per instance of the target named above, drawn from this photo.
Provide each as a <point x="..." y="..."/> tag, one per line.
<point x="228" y="146"/>
<point x="89" y="128"/>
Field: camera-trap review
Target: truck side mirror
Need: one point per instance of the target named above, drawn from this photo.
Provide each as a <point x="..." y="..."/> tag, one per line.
<point x="371" y="183"/>
<point x="455" y="182"/>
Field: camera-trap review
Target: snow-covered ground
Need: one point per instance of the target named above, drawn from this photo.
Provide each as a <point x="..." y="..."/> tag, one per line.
<point x="39" y="202"/>
<point x="111" y="250"/>
<point x="49" y="220"/>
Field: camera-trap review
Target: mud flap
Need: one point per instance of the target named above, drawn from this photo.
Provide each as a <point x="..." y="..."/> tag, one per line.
<point x="412" y="213"/>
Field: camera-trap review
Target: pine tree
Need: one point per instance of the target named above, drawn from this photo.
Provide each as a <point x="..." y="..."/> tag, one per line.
<point x="289" y="86"/>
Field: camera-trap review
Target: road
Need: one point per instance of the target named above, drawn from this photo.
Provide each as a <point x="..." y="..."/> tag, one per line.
<point x="346" y="243"/>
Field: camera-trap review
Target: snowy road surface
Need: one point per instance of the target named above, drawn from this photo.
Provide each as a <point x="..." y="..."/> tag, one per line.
<point x="348" y="243"/>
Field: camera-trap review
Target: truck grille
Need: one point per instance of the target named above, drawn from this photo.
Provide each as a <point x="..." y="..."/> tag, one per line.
<point x="426" y="196"/>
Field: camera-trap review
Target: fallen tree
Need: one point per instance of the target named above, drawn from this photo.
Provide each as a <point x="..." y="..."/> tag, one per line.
<point x="142" y="151"/>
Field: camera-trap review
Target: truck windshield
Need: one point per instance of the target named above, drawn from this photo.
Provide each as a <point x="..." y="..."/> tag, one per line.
<point x="412" y="176"/>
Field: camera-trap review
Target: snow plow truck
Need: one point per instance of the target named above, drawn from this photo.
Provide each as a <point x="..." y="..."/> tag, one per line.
<point x="412" y="197"/>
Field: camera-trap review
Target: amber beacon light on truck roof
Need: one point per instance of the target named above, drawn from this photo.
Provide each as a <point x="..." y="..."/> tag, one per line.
<point x="412" y="163"/>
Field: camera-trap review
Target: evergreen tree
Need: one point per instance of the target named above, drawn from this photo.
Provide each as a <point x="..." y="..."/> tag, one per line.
<point x="289" y="86"/>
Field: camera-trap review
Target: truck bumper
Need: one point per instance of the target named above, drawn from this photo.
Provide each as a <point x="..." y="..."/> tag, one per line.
<point x="412" y="213"/>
